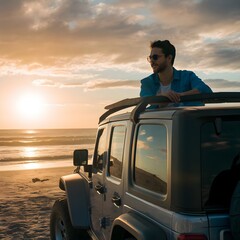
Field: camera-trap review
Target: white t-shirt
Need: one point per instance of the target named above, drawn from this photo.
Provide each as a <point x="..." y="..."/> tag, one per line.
<point x="163" y="89"/>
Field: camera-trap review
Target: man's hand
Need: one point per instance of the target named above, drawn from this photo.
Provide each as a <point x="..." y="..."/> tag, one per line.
<point x="172" y="96"/>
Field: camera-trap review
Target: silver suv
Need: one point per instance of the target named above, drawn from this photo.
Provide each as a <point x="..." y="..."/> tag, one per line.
<point x="167" y="173"/>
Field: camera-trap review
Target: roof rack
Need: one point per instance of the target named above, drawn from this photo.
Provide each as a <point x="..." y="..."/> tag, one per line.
<point x="142" y="102"/>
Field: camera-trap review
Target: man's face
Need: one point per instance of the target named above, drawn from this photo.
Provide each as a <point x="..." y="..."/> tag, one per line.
<point x="158" y="60"/>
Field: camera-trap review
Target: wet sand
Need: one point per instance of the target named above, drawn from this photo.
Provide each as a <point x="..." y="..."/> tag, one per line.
<point x="26" y="199"/>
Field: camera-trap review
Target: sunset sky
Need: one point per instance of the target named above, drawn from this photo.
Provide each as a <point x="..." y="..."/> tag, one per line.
<point x="62" y="61"/>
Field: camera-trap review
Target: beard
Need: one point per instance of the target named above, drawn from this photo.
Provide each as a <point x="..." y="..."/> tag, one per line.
<point x="158" y="68"/>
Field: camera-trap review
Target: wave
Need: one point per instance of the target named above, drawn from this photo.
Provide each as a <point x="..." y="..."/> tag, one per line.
<point x="42" y="158"/>
<point x="37" y="158"/>
<point x="43" y="141"/>
<point x="43" y="146"/>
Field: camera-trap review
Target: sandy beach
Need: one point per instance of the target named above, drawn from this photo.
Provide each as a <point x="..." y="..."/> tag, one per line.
<point x="26" y="198"/>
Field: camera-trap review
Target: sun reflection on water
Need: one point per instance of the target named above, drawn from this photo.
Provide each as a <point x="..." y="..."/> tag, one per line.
<point x="31" y="165"/>
<point x="31" y="131"/>
<point x="30" y="152"/>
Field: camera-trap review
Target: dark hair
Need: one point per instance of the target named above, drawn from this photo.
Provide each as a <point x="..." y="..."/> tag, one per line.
<point x="166" y="46"/>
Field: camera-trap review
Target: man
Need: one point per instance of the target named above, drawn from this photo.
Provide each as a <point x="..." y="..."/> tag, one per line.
<point x="166" y="80"/>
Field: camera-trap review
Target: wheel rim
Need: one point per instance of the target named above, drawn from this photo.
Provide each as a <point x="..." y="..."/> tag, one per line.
<point x="60" y="230"/>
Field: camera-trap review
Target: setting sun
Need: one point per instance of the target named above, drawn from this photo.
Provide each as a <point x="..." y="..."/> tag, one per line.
<point x="30" y="106"/>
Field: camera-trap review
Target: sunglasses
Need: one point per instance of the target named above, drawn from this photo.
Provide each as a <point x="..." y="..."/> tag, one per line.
<point x="154" y="57"/>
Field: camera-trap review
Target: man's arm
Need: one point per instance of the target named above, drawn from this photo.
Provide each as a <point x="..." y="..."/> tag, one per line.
<point x="190" y="92"/>
<point x="175" y="96"/>
<point x="198" y="84"/>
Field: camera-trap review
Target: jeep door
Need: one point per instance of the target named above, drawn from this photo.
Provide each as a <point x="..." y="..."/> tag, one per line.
<point x="97" y="189"/>
<point x="148" y="189"/>
<point x="112" y="204"/>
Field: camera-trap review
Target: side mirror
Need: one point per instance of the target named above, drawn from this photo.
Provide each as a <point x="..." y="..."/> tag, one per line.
<point x="80" y="157"/>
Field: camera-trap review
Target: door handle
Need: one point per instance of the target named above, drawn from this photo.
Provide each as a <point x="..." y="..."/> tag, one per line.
<point x="116" y="200"/>
<point x="99" y="188"/>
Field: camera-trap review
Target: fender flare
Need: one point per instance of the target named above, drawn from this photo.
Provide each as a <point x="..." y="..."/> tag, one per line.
<point x="139" y="227"/>
<point x="77" y="194"/>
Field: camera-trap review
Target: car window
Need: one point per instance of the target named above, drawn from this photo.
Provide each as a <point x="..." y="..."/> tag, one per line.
<point x="219" y="152"/>
<point x="100" y="150"/>
<point x="150" y="168"/>
<point x="116" y="151"/>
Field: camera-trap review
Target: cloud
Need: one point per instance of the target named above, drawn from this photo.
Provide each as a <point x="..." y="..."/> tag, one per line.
<point x="199" y="13"/>
<point x="205" y="32"/>
<point x="99" y="84"/>
<point x="89" y="85"/>
<point x="224" y="57"/>
<point x="143" y="145"/>
<point x="215" y="84"/>
<point x="218" y="55"/>
<point x="223" y="84"/>
<point x="150" y="139"/>
<point x="45" y="82"/>
<point x="220" y="10"/>
<point x="49" y="30"/>
<point x="46" y="32"/>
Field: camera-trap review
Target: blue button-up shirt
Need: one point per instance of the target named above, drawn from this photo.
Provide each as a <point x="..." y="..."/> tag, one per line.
<point x="183" y="81"/>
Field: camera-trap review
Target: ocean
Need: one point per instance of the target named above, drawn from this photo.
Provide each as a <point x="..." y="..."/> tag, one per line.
<point x="41" y="148"/>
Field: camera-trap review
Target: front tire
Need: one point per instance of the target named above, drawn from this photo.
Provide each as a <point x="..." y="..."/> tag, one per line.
<point x="60" y="223"/>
